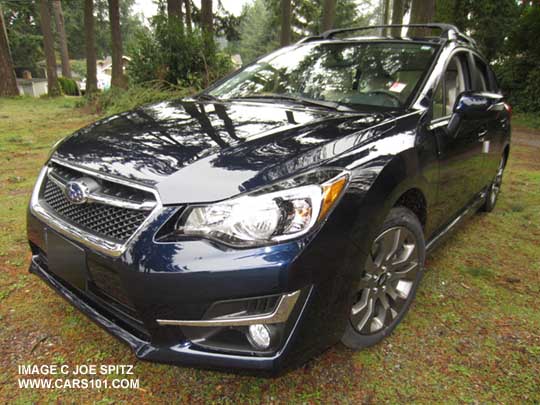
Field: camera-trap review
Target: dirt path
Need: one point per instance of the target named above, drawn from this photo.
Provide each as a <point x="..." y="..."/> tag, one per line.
<point x="525" y="136"/>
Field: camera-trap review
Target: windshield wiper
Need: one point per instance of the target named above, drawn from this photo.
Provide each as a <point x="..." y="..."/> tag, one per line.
<point x="301" y="100"/>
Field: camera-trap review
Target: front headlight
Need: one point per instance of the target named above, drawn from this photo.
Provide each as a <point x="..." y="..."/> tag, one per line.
<point x="281" y="212"/>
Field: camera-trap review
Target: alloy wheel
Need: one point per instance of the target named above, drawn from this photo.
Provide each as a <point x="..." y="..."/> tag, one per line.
<point x="390" y="274"/>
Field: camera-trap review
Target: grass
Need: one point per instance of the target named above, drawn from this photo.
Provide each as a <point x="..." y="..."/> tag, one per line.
<point x="528" y="120"/>
<point x="472" y="335"/>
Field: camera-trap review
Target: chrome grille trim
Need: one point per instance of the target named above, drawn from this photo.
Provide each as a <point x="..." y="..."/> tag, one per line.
<point x="101" y="198"/>
<point x="103" y="245"/>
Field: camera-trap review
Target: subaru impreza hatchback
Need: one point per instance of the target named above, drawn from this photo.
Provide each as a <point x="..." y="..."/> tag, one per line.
<point x="284" y="209"/>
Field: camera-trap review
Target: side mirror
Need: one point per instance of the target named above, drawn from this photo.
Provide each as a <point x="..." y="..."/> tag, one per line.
<point x="472" y="106"/>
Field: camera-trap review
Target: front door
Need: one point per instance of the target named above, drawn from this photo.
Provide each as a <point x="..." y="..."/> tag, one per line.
<point x="461" y="160"/>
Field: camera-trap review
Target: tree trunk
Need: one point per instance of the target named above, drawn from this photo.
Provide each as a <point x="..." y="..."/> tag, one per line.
<point x="285" y="22"/>
<point x="207" y="17"/>
<point x="174" y="9"/>
<point x="62" y="39"/>
<point x="8" y="83"/>
<point x="422" y="12"/>
<point x="386" y="12"/>
<point x="397" y="16"/>
<point x="48" y="46"/>
<point x="329" y="15"/>
<point x="118" y="79"/>
<point x="386" y="16"/>
<point x="187" y="3"/>
<point x="90" y="43"/>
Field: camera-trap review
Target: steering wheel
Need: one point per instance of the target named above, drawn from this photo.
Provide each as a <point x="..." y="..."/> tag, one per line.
<point x="395" y="98"/>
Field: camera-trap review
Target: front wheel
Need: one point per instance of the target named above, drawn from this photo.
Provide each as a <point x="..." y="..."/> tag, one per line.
<point x="391" y="275"/>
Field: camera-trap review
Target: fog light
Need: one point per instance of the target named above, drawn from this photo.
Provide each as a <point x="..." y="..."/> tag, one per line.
<point x="260" y="336"/>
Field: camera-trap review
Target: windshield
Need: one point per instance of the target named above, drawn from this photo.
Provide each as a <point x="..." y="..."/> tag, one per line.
<point x="376" y="74"/>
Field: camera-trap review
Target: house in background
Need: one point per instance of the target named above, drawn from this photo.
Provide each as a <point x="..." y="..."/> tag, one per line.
<point x="104" y="73"/>
<point x="31" y="81"/>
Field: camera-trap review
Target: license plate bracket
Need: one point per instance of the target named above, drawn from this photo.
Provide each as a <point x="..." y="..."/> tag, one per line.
<point x="66" y="260"/>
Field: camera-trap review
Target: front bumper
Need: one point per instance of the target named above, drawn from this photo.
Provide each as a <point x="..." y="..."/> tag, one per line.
<point x="163" y="282"/>
<point x="154" y="295"/>
<point x="183" y="352"/>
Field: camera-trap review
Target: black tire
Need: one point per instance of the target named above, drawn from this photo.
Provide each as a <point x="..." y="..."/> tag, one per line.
<point x="494" y="188"/>
<point x="383" y="277"/>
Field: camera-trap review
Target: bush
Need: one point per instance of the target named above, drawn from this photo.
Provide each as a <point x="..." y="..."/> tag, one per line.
<point x="115" y="100"/>
<point x="518" y="73"/>
<point x="79" y="67"/>
<point x="519" y="80"/>
<point x="68" y="86"/>
<point x="169" y="54"/>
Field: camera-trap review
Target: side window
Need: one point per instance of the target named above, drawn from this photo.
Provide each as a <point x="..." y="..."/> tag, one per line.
<point x="483" y="76"/>
<point x="450" y="86"/>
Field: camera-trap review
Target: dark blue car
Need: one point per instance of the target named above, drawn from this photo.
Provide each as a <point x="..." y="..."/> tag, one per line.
<point x="288" y="207"/>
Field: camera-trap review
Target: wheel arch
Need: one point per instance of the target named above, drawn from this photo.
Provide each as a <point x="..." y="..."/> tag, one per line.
<point x="414" y="200"/>
<point x="400" y="182"/>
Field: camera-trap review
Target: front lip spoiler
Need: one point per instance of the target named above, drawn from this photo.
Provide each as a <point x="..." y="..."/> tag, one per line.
<point x="183" y="353"/>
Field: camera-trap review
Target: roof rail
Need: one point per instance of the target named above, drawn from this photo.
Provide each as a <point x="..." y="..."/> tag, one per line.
<point x="449" y="32"/>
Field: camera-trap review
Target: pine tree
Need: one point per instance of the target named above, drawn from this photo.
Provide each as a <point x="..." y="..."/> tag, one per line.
<point x="285" y="38"/>
<point x="90" y="45"/>
<point x="48" y="47"/>
<point x="62" y="39"/>
<point x="8" y="84"/>
<point x="329" y="14"/>
<point x="118" y="79"/>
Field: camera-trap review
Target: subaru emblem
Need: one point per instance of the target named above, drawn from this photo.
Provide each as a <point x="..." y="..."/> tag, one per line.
<point x="77" y="192"/>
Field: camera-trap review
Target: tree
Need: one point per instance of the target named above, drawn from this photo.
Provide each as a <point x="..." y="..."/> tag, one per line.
<point x="90" y="44"/>
<point x="386" y="12"/>
<point x="329" y="14"/>
<point x="489" y="22"/>
<point x="256" y="34"/>
<point x="306" y="15"/>
<point x="174" y="9"/>
<point x="285" y="38"/>
<point x="48" y="46"/>
<point x="398" y="8"/>
<point x="422" y="12"/>
<point x="386" y="16"/>
<point x="187" y="4"/>
<point x="117" y="79"/>
<point x="8" y="84"/>
<point x="62" y="40"/>
<point x="21" y="20"/>
<point x="207" y="18"/>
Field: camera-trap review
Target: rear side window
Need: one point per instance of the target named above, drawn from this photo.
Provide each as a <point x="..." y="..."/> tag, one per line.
<point x="484" y="79"/>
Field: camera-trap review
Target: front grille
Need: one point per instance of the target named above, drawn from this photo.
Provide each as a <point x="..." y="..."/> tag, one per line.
<point x="106" y="221"/>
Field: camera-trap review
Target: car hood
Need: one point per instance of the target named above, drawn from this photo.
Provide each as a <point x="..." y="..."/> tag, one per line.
<point x="193" y="151"/>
